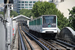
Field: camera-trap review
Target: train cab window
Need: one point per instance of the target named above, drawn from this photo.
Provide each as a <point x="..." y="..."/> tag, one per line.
<point x="49" y="20"/>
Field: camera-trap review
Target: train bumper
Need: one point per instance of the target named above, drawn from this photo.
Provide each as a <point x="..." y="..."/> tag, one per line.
<point x="49" y="30"/>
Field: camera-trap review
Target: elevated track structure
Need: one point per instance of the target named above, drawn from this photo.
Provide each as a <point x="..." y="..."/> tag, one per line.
<point x="49" y="44"/>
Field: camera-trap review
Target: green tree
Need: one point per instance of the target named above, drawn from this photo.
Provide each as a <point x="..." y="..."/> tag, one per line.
<point x="72" y="18"/>
<point x="14" y="13"/>
<point x="42" y="8"/>
<point x="46" y="8"/>
<point x="26" y="12"/>
<point x="1" y="13"/>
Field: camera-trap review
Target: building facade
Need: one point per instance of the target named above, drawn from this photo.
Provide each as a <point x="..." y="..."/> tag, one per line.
<point x="15" y="5"/>
<point x="26" y="4"/>
<point x="62" y="5"/>
<point x="23" y="4"/>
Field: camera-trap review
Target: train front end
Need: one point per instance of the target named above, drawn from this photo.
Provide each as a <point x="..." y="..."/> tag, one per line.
<point x="49" y="25"/>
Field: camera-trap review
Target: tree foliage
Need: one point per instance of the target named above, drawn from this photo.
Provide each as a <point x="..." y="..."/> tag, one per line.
<point x="72" y="18"/>
<point x="26" y="12"/>
<point x="46" y="8"/>
<point x="1" y="13"/>
<point x="13" y="13"/>
<point x="42" y="8"/>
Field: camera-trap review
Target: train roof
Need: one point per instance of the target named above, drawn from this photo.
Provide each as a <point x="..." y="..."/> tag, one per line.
<point x="48" y="15"/>
<point x="42" y="16"/>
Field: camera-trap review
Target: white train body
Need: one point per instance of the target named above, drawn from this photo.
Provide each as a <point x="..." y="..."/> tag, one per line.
<point x="44" y="24"/>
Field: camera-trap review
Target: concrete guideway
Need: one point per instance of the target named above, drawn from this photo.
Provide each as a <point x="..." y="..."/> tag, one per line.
<point x="28" y="42"/>
<point x="60" y="45"/>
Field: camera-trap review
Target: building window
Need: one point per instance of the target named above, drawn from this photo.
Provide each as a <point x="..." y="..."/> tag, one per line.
<point x="50" y="0"/>
<point x="22" y="1"/>
<point x="22" y="7"/>
<point x="30" y="4"/>
<point x="18" y="7"/>
<point x="34" y="1"/>
<point x="30" y="1"/>
<point x="26" y="1"/>
<point x="26" y="7"/>
<point x="22" y="4"/>
<point x="30" y="7"/>
<point x="18" y="4"/>
<point x="26" y="4"/>
<point x="19" y="1"/>
<point x="62" y="0"/>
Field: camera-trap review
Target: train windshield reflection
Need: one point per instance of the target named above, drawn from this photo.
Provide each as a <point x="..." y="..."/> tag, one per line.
<point x="49" y="19"/>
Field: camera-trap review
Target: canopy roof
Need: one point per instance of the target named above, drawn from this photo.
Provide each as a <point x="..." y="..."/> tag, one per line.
<point x="21" y="17"/>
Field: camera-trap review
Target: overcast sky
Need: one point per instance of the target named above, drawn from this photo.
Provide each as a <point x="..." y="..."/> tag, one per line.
<point x="1" y="1"/>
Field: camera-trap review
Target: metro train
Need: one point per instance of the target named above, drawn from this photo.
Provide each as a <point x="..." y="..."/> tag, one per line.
<point x="44" y="26"/>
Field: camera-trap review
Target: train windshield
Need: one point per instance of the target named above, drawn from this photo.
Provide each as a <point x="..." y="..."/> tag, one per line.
<point x="49" y="21"/>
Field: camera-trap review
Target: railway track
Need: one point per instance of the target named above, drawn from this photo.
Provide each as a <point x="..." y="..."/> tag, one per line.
<point x="68" y="46"/>
<point x="49" y="44"/>
<point x="67" y="41"/>
<point x="36" y="40"/>
<point x="21" y="41"/>
<point x="52" y="46"/>
<point x="28" y="43"/>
